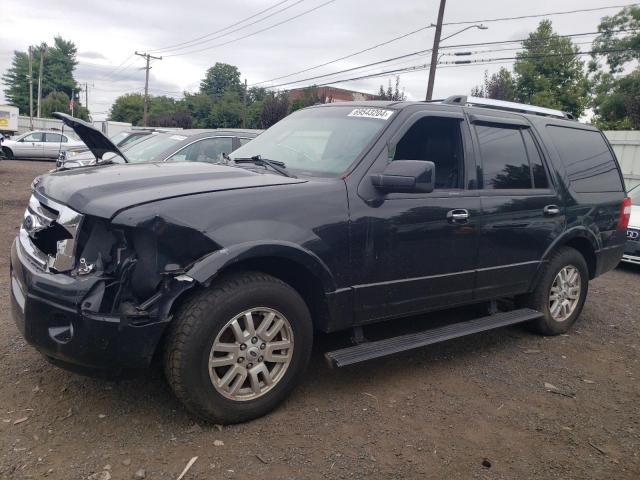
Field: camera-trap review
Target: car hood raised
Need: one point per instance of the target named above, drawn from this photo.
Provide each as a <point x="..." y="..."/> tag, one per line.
<point x="94" y="139"/>
<point x="106" y="190"/>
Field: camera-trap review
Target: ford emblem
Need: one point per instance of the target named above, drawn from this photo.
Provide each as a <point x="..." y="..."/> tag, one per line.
<point x="28" y="223"/>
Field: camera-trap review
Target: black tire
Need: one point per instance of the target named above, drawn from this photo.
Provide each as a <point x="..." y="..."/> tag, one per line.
<point x="539" y="298"/>
<point x="7" y="153"/>
<point x="200" y="320"/>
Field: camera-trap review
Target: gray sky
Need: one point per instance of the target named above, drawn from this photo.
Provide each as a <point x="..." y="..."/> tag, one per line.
<point x="107" y="32"/>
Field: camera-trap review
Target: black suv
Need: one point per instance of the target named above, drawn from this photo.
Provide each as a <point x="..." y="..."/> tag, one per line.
<point x="338" y="216"/>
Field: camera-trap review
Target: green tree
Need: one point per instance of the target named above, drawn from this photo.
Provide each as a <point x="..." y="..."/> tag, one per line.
<point x="308" y="96"/>
<point x="60" y="102"/>
<point x="616" y="100"/>
<point x="128" y="108"/>
<point x="549" y="73"/>
<point x="221" y="79"/>
<point x="619" y="50"/>
<point x="199" y="105"/>
<point x="499" y="86"/>
<point x="391" y="94"/>
<point x="59" y="62"/>
<point x="226" y="112"/>
<point x="274" y="108"/>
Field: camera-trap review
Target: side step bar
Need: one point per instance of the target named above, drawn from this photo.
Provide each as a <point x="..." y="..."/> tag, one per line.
<point x="389" y="346"/>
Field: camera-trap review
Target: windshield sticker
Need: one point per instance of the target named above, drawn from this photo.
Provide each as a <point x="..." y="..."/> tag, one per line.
<point x="379" y="113"/>
<point x="177" y="137"/>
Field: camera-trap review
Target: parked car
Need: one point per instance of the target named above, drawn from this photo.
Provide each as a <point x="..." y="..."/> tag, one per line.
<point x="39" y="144"/>
<point x="204" y="145"/>
<point x="632" y="247"/>
<point x="120" y="139"/>
<point x="337" y="217"/>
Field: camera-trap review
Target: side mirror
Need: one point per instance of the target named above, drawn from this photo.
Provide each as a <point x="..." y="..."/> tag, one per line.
<point x="408" y="176"/>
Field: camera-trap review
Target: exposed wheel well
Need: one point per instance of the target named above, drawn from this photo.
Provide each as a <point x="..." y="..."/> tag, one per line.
<point x="585" y="248"/>
<point x="298" y="277"/>
<point x="7" y="152"/>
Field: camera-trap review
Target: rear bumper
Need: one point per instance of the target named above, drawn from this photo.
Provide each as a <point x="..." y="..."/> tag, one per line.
<point x="47" y="310"/>
<point x="632" y="252"/>
<point x="608" y="258"/>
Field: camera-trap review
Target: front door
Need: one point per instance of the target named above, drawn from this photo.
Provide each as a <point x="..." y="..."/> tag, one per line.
<point x="32" y="146"/>
<point x="521" y="212"/>
<point x="417" y="252"/>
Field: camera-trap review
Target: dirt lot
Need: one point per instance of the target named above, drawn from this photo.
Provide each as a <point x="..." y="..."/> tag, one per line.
<point x="435" y="413"/>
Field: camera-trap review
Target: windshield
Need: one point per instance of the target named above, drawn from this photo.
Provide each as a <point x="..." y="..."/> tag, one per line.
<point x="321" y="141"/>
<point x="147" y="150"/>
<point x="118" y="137"/>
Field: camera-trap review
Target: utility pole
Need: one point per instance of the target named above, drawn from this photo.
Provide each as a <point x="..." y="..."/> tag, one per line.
<point x="244" y="105"/>
<point x="40" y="80"/>
<point x="86" y="96"/>
<point x="72" y="103"/>
<point x="148" y="57"/>
<point x="434" y="51"/>
<point x="30" y="88"/>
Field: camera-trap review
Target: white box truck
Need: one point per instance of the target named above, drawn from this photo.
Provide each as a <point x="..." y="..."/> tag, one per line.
<point x="8" y="120"/>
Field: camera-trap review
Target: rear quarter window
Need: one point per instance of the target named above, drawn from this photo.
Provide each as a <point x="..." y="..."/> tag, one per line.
<point x="590" y="166"/>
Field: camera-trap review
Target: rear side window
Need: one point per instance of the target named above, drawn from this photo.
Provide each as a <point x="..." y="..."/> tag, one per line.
<point x="510" y="158"/>
<point x="586" y="156"/>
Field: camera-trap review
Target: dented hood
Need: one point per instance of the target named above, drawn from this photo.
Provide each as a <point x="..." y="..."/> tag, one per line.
<point x="106" y="190"/>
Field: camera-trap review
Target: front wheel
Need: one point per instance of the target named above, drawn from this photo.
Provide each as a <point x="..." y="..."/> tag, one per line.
<point x="8" y="154"/>
<point x="236" y="350"/>
<point x="560" y="293"/>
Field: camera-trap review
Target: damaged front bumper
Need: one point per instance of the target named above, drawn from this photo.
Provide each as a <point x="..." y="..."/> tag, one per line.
<point x="59" y="315"/>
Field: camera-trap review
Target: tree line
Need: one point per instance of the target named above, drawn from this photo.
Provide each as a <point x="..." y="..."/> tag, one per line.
<point x="549" y="73"/>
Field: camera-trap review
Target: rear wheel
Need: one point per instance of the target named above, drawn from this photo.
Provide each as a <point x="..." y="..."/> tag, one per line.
<point x="235" y="351"/>
<point x="560" y="293"/>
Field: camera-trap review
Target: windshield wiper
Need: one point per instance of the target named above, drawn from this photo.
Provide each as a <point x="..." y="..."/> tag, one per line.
<point x="265" y="162"/>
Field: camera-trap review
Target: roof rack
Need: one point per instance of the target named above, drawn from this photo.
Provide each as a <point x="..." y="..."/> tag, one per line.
<point x="509" y="106"/>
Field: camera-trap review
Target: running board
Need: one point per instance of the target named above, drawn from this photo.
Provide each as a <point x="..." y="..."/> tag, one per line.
<point x="389" y="346"/>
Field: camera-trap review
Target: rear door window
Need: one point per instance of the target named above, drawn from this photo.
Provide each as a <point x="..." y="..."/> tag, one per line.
<point x="55" y="137"/>
<point x="510" y="159"/>
<point x="587" y="158"/>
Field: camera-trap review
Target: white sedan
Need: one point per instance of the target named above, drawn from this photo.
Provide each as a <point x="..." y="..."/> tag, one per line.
<point x="38" y="144"/>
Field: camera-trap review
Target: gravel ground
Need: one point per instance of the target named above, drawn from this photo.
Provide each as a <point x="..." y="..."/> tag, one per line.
<point x="471" y="408"/>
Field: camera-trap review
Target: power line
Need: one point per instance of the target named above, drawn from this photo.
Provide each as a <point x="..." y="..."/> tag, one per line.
<point x="419" y="52"/>
<point x="421" y="67"/>
<point x="400" y="37"/>
<point x="395" y="39"/>
<point x="521" y="17"/>
<point x="286" y="20"/>
<point x="171" y="47"/>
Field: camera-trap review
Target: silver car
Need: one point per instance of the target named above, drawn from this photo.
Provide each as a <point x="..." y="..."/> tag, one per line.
<point x="39" y="144"/>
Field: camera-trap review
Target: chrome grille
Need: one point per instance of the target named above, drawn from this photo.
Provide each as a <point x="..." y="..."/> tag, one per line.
<point x="49" y="233"/>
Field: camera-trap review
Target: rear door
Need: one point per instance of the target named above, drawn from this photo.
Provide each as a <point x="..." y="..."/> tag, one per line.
<point x="31" y="146"/>
<point x="522" y="214"/>
<point x="54" y="142"/>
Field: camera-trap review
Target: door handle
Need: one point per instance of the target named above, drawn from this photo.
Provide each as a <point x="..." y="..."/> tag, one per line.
<point x="459" y="215"/>
<point x="551" y="210"/>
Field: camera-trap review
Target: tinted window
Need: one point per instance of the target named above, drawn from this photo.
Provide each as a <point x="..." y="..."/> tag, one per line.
<point x="589" y="163"/>
<point x="437" y="140"/>
<point x="34" y="137"/>
<point x="55" y="137"/>
<point x="505" y="164"/>
<point x="535" y="160"/>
